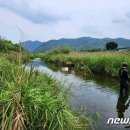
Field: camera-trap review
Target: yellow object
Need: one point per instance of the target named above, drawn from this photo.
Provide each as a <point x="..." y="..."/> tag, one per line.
<point x="65" y="69"/>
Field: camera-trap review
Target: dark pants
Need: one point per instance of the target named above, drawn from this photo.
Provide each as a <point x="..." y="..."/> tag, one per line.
<point x="124" y="87"/>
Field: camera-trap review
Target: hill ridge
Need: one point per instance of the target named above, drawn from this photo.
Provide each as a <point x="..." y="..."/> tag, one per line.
<point x="75" y="43"/>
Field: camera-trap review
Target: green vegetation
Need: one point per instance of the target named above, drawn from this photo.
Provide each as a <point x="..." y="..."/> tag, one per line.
<point x="107" y="62"/>
<point x="30" y="100"/>
<point x="63" y="50"/>
<point x="111" y="45"/>
<point x="92" y="50"/>
<point x="6" y="45"/>
<point x="76" y="43"/>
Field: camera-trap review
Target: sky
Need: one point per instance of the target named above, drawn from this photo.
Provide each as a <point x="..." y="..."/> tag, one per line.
<point x="44" y="20"/>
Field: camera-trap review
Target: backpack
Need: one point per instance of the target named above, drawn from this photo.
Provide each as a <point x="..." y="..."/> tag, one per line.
<point x="123" y="73"/>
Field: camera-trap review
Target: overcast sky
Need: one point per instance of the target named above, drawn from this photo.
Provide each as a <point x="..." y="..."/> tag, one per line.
<point x="53" y="19"/>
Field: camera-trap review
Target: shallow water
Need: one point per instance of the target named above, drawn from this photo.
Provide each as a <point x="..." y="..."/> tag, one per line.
<point x="97" y="94"/>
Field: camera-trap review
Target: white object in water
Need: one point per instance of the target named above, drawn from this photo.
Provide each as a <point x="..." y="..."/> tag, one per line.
<point x="37" y="59"/>
<point x="65" y="69"/>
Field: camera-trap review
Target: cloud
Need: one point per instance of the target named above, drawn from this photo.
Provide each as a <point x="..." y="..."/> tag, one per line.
<point x="91" y="30"/>
<point x="46" y="19"/>
<point x="36" y="16"/>
<point x="118" y="21"/>
<point x="128" y="14"/>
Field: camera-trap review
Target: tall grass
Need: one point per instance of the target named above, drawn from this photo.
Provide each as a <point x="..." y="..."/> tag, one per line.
<point x="13" y="56"/>
<point x="62" y="50"/>
<point x="33" y="101"/>
<point x="99" y="62"/>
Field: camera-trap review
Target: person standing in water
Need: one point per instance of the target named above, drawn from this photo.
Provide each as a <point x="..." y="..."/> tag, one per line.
<point x="124" y="78"/>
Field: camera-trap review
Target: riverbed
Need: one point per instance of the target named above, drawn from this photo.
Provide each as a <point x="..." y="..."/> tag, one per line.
<point x="96" y="94"/>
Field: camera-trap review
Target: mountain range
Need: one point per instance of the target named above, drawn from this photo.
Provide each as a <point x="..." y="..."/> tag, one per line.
<point x="75" y="43"/>
<point x="31" y="45"/>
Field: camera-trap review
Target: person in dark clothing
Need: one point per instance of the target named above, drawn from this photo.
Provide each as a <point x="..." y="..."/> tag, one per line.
<point x="124" y="78"/>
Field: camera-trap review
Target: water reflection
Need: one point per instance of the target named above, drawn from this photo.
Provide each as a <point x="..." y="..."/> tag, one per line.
<point x="122" y="105"/>
<point x="97" y="94"/>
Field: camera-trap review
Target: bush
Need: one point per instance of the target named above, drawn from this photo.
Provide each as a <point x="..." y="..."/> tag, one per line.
<point x="111" y="46"/>
<point x="64" y="50"/>
<point x="6" y="45"/>
<point x="92" y="50"/>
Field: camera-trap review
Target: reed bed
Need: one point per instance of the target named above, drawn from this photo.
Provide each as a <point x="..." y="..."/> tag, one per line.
<point x="34" y="101"/>
<point x="107" y="62"/>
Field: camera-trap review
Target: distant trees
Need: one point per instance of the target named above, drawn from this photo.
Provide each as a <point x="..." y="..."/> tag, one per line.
<point x="3" y="45"/>
<point x="111" y="45"/>
<point x="92" y="50"/>
<point x="60" y="50"/>
<point x="6" y="45"/>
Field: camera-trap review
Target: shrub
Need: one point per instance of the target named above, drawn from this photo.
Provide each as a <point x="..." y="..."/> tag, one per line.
<point x="64" y="50"/>
<point x="92" y="50"/>
<point x="111" y="45"/>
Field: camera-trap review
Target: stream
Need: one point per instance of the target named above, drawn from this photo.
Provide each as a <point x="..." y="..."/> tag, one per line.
<point x="97" y="94"/>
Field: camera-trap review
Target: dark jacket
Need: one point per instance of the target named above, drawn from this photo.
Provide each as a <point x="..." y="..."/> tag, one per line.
<point x="123" y="74"/>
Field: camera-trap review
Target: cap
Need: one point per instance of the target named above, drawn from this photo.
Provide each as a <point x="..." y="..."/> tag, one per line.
<point x="124" y="64"/>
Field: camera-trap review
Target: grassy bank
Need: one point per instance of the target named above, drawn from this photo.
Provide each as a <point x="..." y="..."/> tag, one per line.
<point x="33" y="101"/>
<point x="99" y="62"/>
<point x="14" y="56"/>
